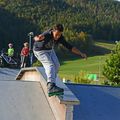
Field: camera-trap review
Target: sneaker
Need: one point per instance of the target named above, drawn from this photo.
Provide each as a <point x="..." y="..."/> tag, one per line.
<point x="53" y="89"/>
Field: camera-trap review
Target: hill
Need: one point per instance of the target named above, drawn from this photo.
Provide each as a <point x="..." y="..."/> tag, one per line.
<point x="100" y="18"/>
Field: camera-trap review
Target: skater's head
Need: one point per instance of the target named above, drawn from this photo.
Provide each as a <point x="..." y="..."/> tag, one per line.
<point x="26" y="44"/>
<point x="57" y="31"/>
<point x="59" y="27"/>
<point x="10" y="45"/>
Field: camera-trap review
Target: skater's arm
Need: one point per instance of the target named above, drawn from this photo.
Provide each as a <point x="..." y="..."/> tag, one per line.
<point x="78" y="52"/>
<point x="39" y="38"/>
<point x="72" y="48"/>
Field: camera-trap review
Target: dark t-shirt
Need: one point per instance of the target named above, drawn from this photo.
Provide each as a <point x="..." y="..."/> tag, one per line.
<point x="48" y="42"/>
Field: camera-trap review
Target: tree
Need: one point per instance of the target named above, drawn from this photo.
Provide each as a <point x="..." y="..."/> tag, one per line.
<point x="112" y="67"/>
<point x="99" y="18"/>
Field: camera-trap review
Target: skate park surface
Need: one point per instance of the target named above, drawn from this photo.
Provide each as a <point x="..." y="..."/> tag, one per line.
<point x="22" y="100"/>
<point x="22" y="97"/>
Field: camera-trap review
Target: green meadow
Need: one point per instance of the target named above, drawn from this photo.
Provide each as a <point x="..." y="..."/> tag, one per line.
<point x="70" y="69"/>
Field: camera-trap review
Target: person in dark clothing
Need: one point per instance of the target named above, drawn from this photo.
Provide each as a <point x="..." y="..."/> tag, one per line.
<point x="43" y="49"/>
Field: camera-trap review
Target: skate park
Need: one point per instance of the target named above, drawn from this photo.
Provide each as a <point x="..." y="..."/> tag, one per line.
<point x="23" y="96"/>
<point x="91" y="26"/>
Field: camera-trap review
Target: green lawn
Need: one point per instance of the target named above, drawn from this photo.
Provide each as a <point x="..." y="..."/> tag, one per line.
<point x="92" y="65"/>
<point x="71" y="68"/>
<point x="107" y="45"/>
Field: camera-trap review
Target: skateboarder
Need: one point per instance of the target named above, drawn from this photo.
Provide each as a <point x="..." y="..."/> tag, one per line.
<point x="24" y="54"/>
<point x="43" y="49"/>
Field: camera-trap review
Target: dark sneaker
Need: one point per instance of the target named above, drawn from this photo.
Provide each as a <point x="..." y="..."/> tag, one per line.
<point x="54" y="90"/>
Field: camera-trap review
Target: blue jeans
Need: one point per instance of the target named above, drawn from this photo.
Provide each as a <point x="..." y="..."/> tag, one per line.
<point x="50" y="63"/>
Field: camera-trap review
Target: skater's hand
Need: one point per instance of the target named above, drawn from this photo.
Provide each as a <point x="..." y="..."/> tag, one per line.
<point x="84" y="56"/>
<point x="78" y="52"/>
<point x="36" y="38"/>
<point x="39" y="38"/>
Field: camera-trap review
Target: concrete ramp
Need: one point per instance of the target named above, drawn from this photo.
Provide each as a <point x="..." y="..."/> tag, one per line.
<point x="62" y="107"/>
<point x="20" y="100"/>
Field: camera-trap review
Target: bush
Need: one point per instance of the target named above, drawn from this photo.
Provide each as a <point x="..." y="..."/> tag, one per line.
<point x="81" y="78"/>
<point x="112" y="67"/>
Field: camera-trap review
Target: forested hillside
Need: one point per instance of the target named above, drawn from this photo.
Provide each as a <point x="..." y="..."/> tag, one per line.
<point x="99" y="18"/>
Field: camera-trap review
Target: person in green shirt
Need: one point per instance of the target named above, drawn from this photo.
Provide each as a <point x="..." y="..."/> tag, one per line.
<point x="10" y="51"/>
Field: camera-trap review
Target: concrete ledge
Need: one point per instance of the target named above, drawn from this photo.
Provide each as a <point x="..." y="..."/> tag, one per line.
<point x="62" y="107"/>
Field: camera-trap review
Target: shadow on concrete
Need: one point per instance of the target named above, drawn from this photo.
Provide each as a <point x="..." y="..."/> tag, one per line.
<point x="8" y="74"/>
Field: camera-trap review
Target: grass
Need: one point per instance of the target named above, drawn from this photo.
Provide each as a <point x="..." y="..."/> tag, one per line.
<point x="107" y="45"/>
<point x="71" y="68"/>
